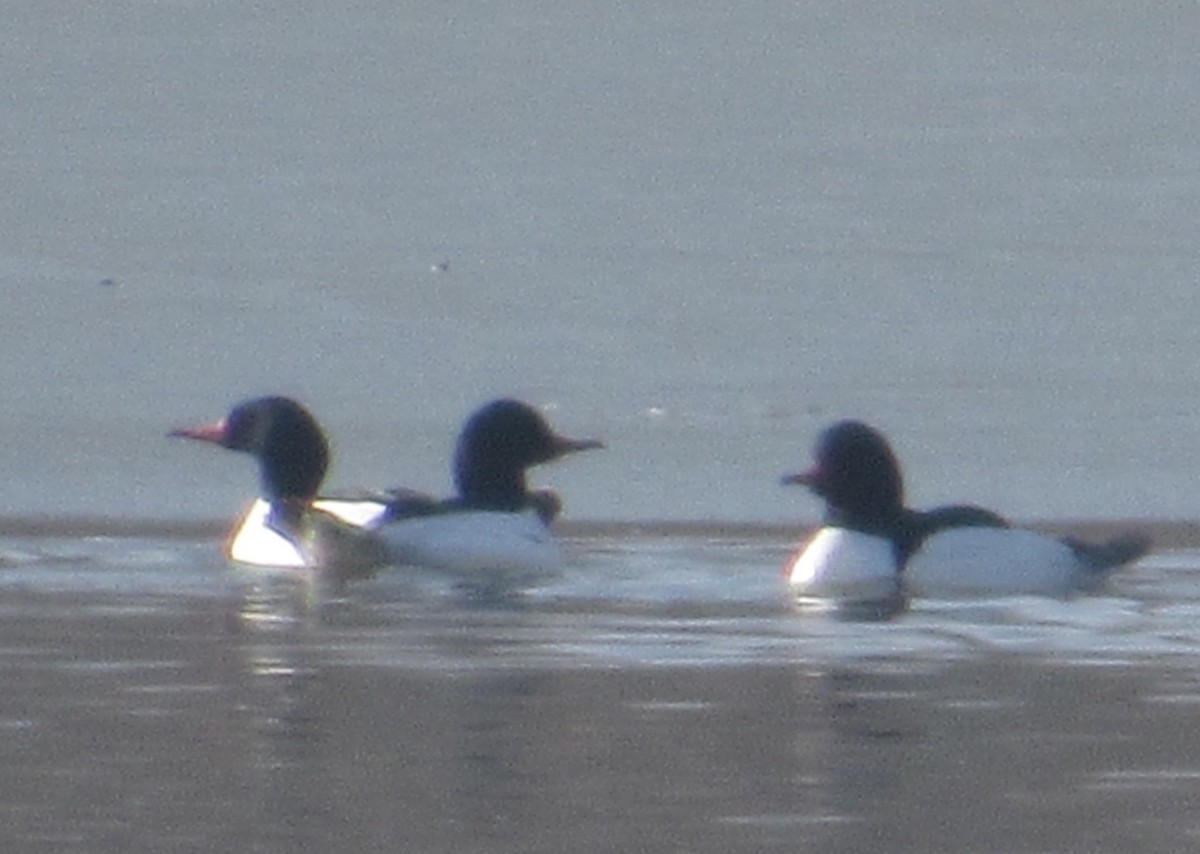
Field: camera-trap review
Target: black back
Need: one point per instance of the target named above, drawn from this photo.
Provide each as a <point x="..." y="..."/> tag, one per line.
<point x="916" y="526"/>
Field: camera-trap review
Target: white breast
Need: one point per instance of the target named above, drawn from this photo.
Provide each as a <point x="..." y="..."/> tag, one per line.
<point x="474" y="542"/>
<point x="838" y="563"/>
<point x="254" y="543"/>
<point x="992" y="561"/>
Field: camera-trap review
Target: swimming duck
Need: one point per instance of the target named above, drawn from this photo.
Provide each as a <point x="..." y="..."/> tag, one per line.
<point x="871" y="546"/>
<point x="288" y="526"/>
<point x="494" y="522"/>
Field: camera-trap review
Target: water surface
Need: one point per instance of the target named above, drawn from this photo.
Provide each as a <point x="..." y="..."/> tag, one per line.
<point x="663" y="692"/>
<point x="697" y="231"/>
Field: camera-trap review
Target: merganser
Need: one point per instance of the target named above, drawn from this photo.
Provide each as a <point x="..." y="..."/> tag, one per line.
<point x="495" y="522"/>
<point x="288" y="526"/>
<point x="871" y="547"/>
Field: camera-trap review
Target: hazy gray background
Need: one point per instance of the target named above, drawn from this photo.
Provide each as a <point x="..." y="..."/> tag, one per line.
<point x="697" y="230"/>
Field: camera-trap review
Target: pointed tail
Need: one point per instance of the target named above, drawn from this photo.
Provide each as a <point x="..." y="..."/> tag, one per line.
<point x="1118" y="551"/>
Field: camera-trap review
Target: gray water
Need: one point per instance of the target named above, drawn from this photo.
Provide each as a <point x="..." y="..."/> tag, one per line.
<point x="661" y="694"/>
<point x="697" y="231"/>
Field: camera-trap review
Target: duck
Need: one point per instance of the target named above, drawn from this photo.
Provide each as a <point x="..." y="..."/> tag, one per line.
<point x="872" y="547"/>
<point x="288" y="526"/>
<point x="494" y="522"/>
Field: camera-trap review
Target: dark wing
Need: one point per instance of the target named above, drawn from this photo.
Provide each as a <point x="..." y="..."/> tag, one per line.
<point x="378" y="496"/>
<point x="1120" y="550"/>
<point x="959" y="516"/>
<point x="916" y="526"/>
<point x="408" y="504"/>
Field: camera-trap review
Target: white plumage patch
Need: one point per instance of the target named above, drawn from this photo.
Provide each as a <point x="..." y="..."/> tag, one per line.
<point x="957" y="562"/>
<point x="254" y="543"/>
<point x="993" y="561"/>
<point x="360" y="514"/>
<point x="839" y="563"/>
<point x="474" y="542"/>
<point x="468" y="542"/>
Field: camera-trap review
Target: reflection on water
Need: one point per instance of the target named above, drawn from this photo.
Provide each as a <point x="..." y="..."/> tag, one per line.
<point x="661" y="689"/>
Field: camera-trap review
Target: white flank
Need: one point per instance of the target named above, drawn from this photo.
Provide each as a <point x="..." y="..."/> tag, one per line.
<point x="992" y="561"/>
<point x="474" y="542"/>
<point x="467" y="542"/>
<point x="360" y="514"/>
<point x="838" y="563"/>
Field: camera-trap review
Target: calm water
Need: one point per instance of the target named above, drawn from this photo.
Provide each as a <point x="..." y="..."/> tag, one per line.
<point x="662" y="693"/>
<point x="699" y="231"/>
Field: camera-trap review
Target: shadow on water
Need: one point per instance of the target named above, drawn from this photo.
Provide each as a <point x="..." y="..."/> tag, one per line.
<point x="854" y="610"/>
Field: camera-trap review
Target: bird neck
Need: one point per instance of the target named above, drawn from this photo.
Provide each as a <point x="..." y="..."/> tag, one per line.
<point x="493" y="488"/>
<point x="292" y="469"/>
<point x="879" y="519"/>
